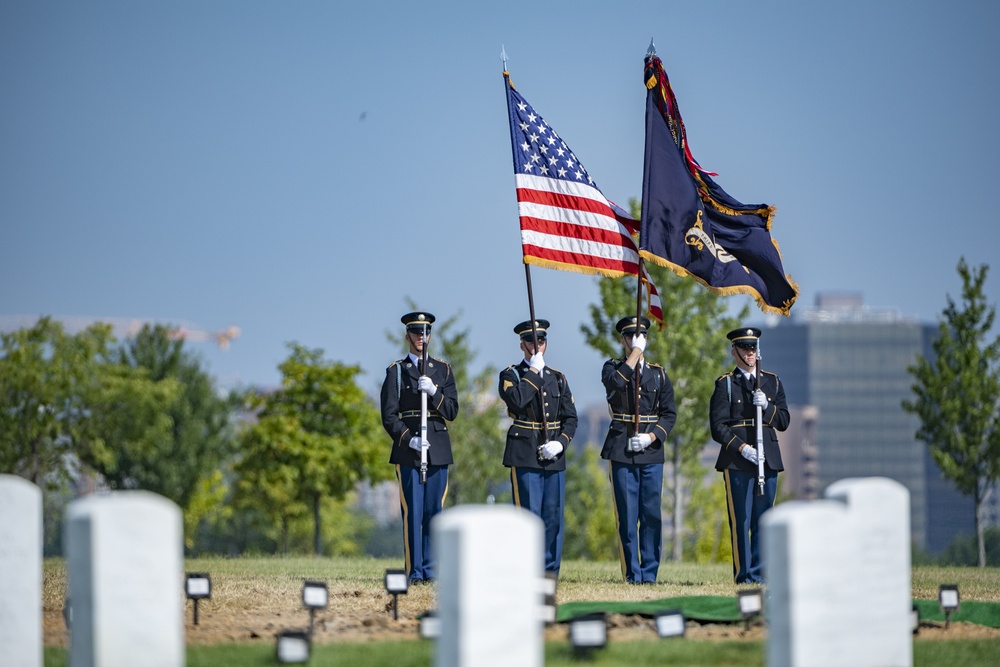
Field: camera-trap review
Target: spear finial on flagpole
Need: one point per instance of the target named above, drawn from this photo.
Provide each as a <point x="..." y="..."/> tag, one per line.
<point x="651" y="51"/>
<point x="503" y="57"/>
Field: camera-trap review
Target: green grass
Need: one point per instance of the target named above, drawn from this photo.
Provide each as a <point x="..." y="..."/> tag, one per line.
<point x="254" y="583"/>
<point x="268" y="577"/>
<point x="969" y="653"/>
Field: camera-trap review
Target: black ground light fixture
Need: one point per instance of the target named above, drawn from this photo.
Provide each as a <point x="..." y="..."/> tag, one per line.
<point x="948" y="598"/>
<point x="430" y="625"/>
<point x="915" y="619"/>
<point x="588" y="632"/>
<point x="67" y="613"/>
<point x="294" y="646"/>
<point x="197" y="586"/>
<point x="669" y="623"/>
<point x="751" y="603"/>
<point x="315" y="595"/>
<point x="396" y="584"/>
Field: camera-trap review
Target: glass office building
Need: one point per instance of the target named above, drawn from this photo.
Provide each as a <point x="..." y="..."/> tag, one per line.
<point x="851" y="363"/>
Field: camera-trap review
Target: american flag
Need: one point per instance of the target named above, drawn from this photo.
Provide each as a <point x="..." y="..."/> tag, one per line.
<point x="566" y="223"/>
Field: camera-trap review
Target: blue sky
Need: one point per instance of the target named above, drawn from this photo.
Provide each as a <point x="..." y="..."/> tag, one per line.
<point x="298" y="169"/>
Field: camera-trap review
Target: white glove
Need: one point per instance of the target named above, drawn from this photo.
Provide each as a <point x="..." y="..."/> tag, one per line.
<point x="639" y="341"/>
<point x="750" y="454"/>
<point x="426" y="385"/>
<point x="639" y="442"/>
<point x="759" y="399"/>
<point x="552" y="449"/>
<point x="537" y="362"/>
<point x="415" y="442"/>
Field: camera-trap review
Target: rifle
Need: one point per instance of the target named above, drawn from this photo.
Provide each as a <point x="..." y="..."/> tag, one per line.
<point x="759" y="490"/>
<point x="424" y="445"/>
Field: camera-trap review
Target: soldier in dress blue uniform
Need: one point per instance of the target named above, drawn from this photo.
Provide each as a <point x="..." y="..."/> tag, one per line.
<point x="635" y="458"/>
<point x="732" y="413"/>
<point x="401" y="405"/>
<point x="535" y="393"/>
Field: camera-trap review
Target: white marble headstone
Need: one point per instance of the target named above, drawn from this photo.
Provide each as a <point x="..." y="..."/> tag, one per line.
<point x="810" y="551"/>
<point x="879" y="514"/>
<point x="490" y="562"/>
<point x="125" y="560"/>
<point x="20" y="572"/>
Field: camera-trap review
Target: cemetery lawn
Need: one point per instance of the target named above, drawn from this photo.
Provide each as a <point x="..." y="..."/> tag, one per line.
<point x="255" y="598"/>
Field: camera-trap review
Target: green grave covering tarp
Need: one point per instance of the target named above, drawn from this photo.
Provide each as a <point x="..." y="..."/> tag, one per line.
<point x="971" y="611"/>
<point x="721" y="609"/>
<point x="703" y="608"/>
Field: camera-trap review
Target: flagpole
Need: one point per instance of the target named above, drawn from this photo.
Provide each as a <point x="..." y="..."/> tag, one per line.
<point x="534" y="340"/>
<point x="527" y="273"/>
<point x="638" y="301"/>
<point x="638" y="320"/>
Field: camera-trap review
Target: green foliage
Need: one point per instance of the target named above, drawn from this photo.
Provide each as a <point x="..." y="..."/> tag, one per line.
<point x="691" y="346"/>
<point x="964" y="549"/>
<point x="198" y="437"/>
<point x="711" y="542"/>
<point x="345" y="530"/>
<point x="588" y="513"/>
<point x="141" y="415"/>
<point x="958" y="394"/>
<point x="385" y="540"/>
<point x="208" y="497"/>
<point x="477" y="436"/>
<point x="316" y="437"/>
<point x="66" y="404"/>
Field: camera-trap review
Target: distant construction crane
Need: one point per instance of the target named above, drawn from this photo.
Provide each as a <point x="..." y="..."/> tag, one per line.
<point x="222" y="338"/>
<point x="126" y="327"/>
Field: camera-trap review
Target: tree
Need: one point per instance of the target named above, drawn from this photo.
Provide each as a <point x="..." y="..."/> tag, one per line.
<point x="691" y="348"/>
<point x="36" y="374"/>
<point x="316" y="437"/>
<point x="589" y="530"/>
<point x="65" y="403"/>
<point x="477" y="436"/>
<point x="199" y="438"/>
<point x="711" y="543"/>
<point x="958" y="395"/>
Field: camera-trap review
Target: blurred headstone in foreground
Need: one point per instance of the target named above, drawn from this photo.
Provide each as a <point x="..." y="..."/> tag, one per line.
<point x="124" y="556"/>
<point x="809" y="554"/>
<point x="879" y="515"/>
<point x="838" y="573"/>
<point x="20" y="572"/>
<point x="490" y="585"/>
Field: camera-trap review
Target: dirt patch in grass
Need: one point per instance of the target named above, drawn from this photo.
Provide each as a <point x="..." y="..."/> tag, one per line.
<point x="244" y="614"/>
